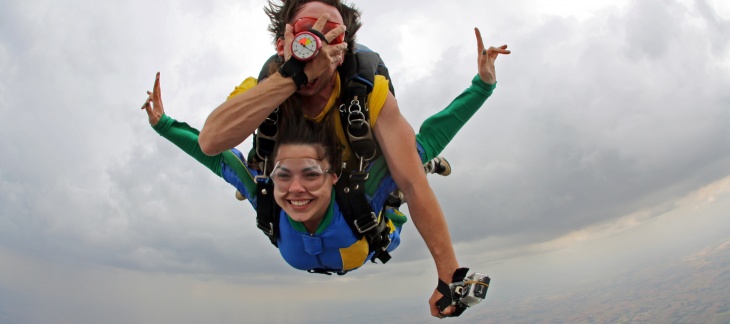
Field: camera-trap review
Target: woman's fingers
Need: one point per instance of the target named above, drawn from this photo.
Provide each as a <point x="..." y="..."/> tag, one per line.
<point x="480" y="43"/>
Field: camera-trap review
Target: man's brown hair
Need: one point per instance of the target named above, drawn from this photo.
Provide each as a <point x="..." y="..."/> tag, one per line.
<point x="281" y="12"/>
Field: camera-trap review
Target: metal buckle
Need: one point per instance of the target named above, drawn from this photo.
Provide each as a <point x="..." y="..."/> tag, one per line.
<point x="263" y="177"/>
<point x="385" y="247"/>
<point x="370" y="226"/>
<point x="356" y="119"/>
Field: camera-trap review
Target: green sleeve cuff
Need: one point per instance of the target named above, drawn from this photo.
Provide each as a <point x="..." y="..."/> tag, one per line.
<point x="164" y="124"/>
<point x="482" y="87"/>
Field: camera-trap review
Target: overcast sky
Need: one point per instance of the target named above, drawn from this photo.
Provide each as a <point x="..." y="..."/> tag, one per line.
<point x="606" y="115"/>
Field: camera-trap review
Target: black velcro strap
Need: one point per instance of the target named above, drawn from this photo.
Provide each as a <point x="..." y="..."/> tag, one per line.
<point x="300" y="79"/>
<point x="460" y="274"/>
<point x="445" y="300"/>
<point x="320" y="35"/>
<point x="291" y="68"/>
<point x="448" y="295"/>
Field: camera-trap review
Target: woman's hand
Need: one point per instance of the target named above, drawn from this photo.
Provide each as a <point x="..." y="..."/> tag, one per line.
<point x="153" y="104"/>
<point x="486" y="58"/>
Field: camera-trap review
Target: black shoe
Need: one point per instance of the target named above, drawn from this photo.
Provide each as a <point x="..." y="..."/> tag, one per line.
<point x="438" y="165"/>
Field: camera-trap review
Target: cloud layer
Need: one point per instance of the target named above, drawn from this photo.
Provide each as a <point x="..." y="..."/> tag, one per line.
<point x="599" y="113"/>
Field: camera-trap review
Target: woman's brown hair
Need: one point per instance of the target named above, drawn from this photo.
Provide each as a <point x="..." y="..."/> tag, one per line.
<point x="296" y="129"/>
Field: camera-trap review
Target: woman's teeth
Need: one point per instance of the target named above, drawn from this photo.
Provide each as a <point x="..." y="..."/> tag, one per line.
<point x="299" y="202"/>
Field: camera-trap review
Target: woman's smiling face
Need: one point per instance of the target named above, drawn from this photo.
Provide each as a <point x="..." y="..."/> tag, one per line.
<point x="302" y="184"/>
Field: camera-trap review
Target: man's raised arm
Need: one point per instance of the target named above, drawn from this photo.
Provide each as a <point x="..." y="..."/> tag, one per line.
<point x="234" y="120"/>
<point x="397" y="139"/>
<point x="237" y="118"/>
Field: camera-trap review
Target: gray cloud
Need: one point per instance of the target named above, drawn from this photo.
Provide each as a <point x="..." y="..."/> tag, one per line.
<point x="589" y="126"/>
<point x="582" y="129"/>
<point x="593" y="118"/>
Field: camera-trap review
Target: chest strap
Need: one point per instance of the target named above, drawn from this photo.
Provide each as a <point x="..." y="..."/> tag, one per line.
<point x="350" y="196"/>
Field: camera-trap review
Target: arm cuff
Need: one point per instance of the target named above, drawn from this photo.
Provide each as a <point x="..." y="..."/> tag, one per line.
<point x="164" y="124"/>
<point x="482" y="87"/>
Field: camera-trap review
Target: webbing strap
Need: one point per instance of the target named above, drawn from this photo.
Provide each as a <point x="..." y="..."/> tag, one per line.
<point x="267" y="211"/>
<point x="265" y="137"/>
<point x="357" y="77"/>
<point x="350" y="196"/>
<point x="266" y="134"/>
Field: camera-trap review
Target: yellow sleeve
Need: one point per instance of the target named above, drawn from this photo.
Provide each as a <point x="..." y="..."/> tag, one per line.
<point x="249" y="83"/>
<point x="377" y="98"/>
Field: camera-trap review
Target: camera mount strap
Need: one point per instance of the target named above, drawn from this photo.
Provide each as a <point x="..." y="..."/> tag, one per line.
<point x="449" y="298"/>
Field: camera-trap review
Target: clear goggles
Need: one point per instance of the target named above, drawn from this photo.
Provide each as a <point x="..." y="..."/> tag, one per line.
<point x="306" y="173"/>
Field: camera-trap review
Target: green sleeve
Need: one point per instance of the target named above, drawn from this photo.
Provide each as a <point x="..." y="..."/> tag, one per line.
<point x="186" y="138"/>
<point x="438" y="130"/>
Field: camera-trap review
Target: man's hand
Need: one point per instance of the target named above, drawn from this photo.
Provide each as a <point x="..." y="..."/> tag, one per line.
<point x="153" y="104"/>
<point x="396" y="138"/>
<point x="435" y="310"/>
<point x="486" y="58"/>
<point x="328" y="55"/>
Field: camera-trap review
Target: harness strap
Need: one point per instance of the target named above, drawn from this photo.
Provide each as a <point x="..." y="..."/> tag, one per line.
<point x="266" y="135"/>
<point x="267" y="210"/>
<point x="350" y="196"/>
<point x="357" y="77"/>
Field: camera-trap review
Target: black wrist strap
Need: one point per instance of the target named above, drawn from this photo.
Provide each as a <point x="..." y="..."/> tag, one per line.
<point x="448" y="297"/>
<point x="320" y="35"/>
<point x="295" y="69"/>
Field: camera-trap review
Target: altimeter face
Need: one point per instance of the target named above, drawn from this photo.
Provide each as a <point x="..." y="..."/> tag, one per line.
<point x="305" y="46"/>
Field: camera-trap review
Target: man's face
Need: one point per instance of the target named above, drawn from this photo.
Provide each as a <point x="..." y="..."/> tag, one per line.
<point x="316" y="9"/>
